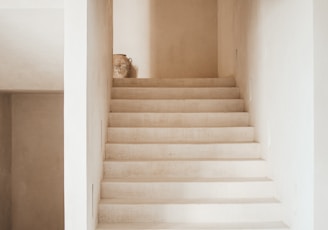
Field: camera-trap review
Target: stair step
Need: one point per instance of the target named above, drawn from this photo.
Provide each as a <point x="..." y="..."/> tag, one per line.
<point x="180" y="82"/>
<point x="181" y="151"/>
<point x="183" y="226"/>
<point x="186" y="169"/>
<point x="178" y="119"/>
<point x="187" y="189"/>
<point x="177" y="105"/>
<point x="175" y="93"/>
<point x="192" y="211"/>
<point x="180" y="135"/>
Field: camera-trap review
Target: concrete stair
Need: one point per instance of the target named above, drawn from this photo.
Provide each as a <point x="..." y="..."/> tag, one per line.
<point x="178" y="119"/>
<point x="188" y="211"/>
<point x="177" y="82"/>
<point x="180" y="135"/>
<point x="175" y="93"/>
<point x="181" y="155"/>
<point x="177" y="105"/>
<point x="186" y="168"/>
<point x="184" y="226"/>
<point x="192" y="188"/>
<point x="164" y="151"/>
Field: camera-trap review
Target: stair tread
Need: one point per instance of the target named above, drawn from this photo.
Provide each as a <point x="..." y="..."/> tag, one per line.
<point x="186" y="180"/>
<point x="189" y="160"/>
<point x="175" y="92"/>
<point x="190" y="201"/>
<point x="177" y="105"/>
<point x="181" y="99"/>
<point x="190" y="144"/>
<point x="217" y="226"/>
<point x="174" y="82"/>
<point x="181" y="128"/>
<point x="175" y="87"/>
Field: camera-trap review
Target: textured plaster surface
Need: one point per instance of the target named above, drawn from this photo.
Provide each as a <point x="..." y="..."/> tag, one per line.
<point x="5" y="162"/>
<point x="167" y="39"/>
<point x="37" y="159"/>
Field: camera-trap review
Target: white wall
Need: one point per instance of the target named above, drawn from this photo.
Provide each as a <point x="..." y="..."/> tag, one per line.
<point x="132" y="33"/>
<point x="37" y="161"/>
<point x="275" y="73"/>
<point x="320" y="114"/>
<point x="16" y="4"/>
<point x="165" y="39"/>
<point x="5" y="161"/>
<point x="32" y="45"/>
<point x="88" y="52"/>
<point x="100" y="51"/>
<point x="75" y="115"/>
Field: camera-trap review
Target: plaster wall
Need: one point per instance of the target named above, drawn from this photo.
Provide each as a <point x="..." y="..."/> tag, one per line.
<point x="37" y="162"/>
<point x="167" y="39"/>
<point x="5" y="161"/>
<point x="320" y="114"/>
<point x="99" y="73"/>
<point x="16" y="4"/>
<point x="227" y="39"/>
<point x="32" y="46"/>
<point x="88" y="58"/>
<point x="275" y="73"/>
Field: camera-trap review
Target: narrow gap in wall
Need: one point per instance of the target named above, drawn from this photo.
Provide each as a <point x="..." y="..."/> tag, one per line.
<point x="101" y="137"/>
<point x="92" y="202"/>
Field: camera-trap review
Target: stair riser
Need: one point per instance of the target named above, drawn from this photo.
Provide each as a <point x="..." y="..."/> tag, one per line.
<point x="183" y="190"/>
<point x="196" y="82"/>
<point x="181" y="135"/>
<point x="134" y="105"/>
<point x="189" y="228"/>
<point x="178" y="119"/>
<point x="185" y="169"/>
<point x="188" y="213"/>
<point x="175" y="93"/>
<point x="184" y="151"/>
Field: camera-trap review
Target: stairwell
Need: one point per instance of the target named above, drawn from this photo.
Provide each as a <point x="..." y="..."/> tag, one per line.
<point x="181" y="155"/>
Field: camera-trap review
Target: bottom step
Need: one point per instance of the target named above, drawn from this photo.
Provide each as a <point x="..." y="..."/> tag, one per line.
<point x="181" y="226"/>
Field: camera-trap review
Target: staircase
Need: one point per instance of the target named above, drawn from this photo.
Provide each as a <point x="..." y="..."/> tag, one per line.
<point x="181" y="155"/>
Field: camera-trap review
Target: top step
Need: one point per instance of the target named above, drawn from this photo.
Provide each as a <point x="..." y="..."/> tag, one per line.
<point x="174" y="82"/>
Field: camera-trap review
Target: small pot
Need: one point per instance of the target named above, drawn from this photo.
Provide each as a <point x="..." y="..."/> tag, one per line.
<point x="122" y="65"/>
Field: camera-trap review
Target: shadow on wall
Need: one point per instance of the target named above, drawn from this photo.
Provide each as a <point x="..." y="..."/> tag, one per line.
<point x="167" y="39"/>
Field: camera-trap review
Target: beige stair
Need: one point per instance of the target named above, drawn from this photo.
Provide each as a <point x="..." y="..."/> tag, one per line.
<point x="213" y="226"/>
<point x="186" y="168"/>
<point x="179" y="82"/>
<point x="180" y="135"/>
<point x="178" y="119"/>
<point x="175" y="93"/>
<point x="164" y="151"/>
<point x="177" y="105"/>
<point x="181" y="155"/>
<point x="192" y="188"/>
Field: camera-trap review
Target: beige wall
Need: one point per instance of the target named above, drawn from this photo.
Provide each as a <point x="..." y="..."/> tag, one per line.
<point x="37" y="162"/>
<point x="320" y="114"/>
<point x="227" y="37"/>
<point x="168" y="39"/>
<point x="5" y="162"/>
<point x="275" y="73"/>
